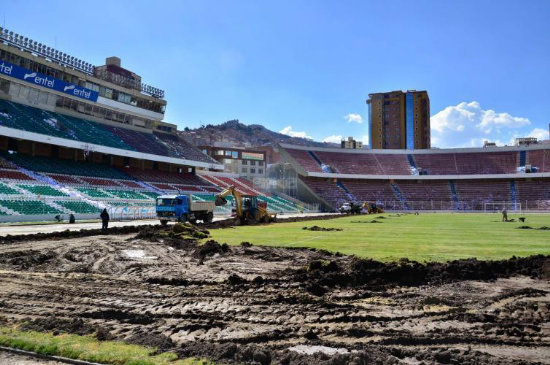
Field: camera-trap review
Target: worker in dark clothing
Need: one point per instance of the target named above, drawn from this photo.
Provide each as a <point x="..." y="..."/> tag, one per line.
<point x="71" y="218"/>
<point x="504" y="215"/>
<point x="104" y="219"/>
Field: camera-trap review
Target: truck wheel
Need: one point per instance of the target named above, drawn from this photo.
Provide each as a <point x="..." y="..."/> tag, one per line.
<point x="164" y="222"/>
<point x="209" y="218"/>
<point x="193" y="221"/>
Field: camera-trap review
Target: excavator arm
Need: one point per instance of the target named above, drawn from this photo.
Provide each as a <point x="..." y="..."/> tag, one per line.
<point x="231" y="190"/>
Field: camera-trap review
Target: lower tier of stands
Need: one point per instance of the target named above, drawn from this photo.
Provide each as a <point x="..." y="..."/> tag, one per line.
<point x="40" y="186"/>
<point x="435" y="194"/>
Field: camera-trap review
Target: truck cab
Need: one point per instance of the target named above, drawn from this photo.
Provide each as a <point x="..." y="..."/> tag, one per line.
<point x="182" y="208"/>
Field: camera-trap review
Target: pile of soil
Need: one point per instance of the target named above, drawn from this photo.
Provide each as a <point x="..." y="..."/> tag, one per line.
<point x="361" y="272"/>
<point x="322" y="229"/>
<point x="58" y="325"/>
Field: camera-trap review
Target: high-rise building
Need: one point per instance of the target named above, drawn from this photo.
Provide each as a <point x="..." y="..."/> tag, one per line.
<point x="399" y="120"/>
<point x="351" y="144"/>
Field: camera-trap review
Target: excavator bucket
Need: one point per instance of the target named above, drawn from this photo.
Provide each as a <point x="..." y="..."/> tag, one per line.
<point x="220" y="201"/>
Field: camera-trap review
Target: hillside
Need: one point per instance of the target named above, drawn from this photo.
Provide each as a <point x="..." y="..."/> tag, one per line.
<point x="241" y="135"/>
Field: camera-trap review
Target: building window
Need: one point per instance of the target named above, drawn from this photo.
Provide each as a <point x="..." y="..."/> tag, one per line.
<point x="244" y="170"/>
<point x="244" y="162"/>
<point x="252" y="170"/>
<point x="252" y="163"/>
<point x="228" y="153"/>
<point x="260" y="171"/>
<point x="219" y="152"/>
<point x="260" y="163"/>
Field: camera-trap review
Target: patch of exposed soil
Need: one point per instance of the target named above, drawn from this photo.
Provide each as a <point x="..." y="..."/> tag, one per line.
<point x="266" y="305"/>
<point x="322" y="229"/>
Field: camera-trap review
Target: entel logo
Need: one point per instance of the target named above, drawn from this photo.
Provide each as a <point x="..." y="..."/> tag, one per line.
<point x="5" y="69"/>
<point x="70" y="87"/>
<point x="33" y="74"/>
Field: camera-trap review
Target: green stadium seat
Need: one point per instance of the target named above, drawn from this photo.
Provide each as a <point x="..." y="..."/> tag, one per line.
<point x="93" y="193"/>
<point x="29" y="207"/>
<point x="4" y="189"/>
<point x="79" y="207"/>
<point x="42" y="190"/>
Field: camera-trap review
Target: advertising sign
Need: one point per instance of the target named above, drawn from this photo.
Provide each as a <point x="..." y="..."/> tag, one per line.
<point x="252" y="156"/>
<point x="36" y="78"/>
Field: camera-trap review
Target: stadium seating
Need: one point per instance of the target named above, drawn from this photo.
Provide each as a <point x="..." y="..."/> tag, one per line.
<point x="29" y="207"/>
<point x="93" y="193"/>
<point x="436" y="163"/>
<point x="397" y="164"/>
<point x="6" y="190"/>
<point x="539" y="159"/>
<point x="126" y="194"/>
<point x="305" y="160"/>
<point x="67" y="167"/>
<point x="534" y="194"/>
<point x="43" y="190"/>
<point x="30" y="119"/>
<point x="327" y="190"/>
<point x="181" y="148"/>
<point x="79" y="207"/>
<point x="346" y="163"/>
<point x="426" y="162"/>
<point x="14" y="175"/>
<point x="370" y="190"/>
<point x="141" y="141"/>
<point x="65" y="179"/>
<point x="475" y="193"/>
<point x="425" y="190"/>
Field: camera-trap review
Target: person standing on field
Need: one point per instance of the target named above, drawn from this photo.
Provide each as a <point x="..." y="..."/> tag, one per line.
<point x="104" y="219"/>
<point x="504" y="215"/>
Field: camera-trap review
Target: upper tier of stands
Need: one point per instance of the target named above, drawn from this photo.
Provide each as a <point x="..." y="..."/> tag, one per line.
<point x="67" y="167"/>
<point x="23" y="117"/>
<point x="449" y="163"/>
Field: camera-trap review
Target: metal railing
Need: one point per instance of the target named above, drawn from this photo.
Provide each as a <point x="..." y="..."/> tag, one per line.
<point x="472" y="205"/>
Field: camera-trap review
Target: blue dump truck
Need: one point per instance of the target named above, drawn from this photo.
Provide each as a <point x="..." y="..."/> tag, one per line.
<point x="182" y="208"/>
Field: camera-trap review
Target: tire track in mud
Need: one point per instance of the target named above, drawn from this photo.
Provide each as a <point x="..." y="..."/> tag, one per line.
<point x="252" y="304"/>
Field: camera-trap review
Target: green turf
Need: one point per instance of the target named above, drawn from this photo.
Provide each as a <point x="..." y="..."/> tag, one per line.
<point x="424" y="237"/>
<point x="89" y="348"/>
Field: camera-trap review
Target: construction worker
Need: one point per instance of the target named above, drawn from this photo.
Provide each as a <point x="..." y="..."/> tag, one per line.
<point x="504" y="215"/>
<point x="104" y="219"/>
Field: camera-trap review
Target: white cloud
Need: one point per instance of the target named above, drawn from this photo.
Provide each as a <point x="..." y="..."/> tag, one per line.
<point x="539" y="133"/>
<point x="468" y="125"/>
<point x="365" y="140"/>
<point x="333" y="139"/>
<point x="289" y="132"/>
<point x="354" y="118"/>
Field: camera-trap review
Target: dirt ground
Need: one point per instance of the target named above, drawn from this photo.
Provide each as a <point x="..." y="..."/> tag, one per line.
<point x="261" y="305"/>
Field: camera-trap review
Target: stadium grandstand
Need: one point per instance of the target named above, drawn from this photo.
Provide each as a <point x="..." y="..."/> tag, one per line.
<point x="438" y="179"/>
<point x="76" y="138"/>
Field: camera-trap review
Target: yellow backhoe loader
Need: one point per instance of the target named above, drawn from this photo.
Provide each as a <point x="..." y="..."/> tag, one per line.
<point x="247" y="208"/>
<point x="372" y="208"/>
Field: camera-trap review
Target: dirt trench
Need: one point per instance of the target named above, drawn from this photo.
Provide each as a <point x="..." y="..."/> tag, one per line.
<point x="267" y="305"/>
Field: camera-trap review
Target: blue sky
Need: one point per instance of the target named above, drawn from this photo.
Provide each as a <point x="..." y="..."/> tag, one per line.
<point x="308" y="66"/>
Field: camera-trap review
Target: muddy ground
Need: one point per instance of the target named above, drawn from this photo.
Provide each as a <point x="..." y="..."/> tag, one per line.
<point x="264" y="305"/>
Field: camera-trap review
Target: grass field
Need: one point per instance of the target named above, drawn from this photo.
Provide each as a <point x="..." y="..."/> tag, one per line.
<point x="88" y="348"/>
<point x="424" y="237"/>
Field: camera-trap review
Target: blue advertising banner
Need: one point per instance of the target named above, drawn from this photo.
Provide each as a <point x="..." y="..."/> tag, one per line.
<point x="36" y="78"/>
